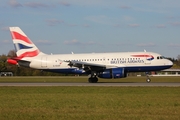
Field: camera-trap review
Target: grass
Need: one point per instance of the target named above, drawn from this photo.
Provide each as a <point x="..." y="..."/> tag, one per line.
<point x="85" y="79"/>
<point x="91" y="103"/>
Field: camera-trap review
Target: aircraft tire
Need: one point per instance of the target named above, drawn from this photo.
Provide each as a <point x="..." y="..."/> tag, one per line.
<point x="148" y="80"/>
<point x="93" y="80"/>
<point x="90" y="80"/>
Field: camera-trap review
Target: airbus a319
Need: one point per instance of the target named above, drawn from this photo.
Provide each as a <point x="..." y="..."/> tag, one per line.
<point x="102" y="65"/>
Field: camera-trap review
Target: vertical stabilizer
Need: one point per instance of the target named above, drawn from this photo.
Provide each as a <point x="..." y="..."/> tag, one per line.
<point x="23" y="45"/>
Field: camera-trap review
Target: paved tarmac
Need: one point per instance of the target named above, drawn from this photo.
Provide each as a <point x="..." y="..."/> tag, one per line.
<point x="94" y="84"/>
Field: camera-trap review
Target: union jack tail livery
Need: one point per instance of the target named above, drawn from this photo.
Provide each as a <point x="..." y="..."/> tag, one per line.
<point x="23" y="45"/>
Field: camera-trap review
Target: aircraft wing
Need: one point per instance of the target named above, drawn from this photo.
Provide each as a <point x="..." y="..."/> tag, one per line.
<point x="87" y="66"/>
<point x="90" y="66"/>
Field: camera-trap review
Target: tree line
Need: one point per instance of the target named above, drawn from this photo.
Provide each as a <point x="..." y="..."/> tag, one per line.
<point x="23" y="71"/>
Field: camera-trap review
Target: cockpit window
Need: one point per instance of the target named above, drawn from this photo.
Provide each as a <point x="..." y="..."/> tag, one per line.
<point x="161" y="57"/>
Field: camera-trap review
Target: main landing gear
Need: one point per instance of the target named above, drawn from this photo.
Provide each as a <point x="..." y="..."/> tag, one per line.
<point x="93" y="78"/>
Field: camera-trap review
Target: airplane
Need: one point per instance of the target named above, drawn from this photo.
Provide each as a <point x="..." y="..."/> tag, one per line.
<point x="103" y="65"/>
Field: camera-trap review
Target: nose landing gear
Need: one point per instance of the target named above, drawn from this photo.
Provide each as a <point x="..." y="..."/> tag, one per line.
<point x="148" y="80"/>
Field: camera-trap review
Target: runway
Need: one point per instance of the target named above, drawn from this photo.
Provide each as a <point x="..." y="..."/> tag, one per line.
<point x="95" y="84"/>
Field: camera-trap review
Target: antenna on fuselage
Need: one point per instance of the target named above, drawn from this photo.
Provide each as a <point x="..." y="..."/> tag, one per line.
<point x="72" y="53"/>
<point x="144" y="50"/>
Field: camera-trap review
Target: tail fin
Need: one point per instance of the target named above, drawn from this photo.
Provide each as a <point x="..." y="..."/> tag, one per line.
<point x="23" y="45"/>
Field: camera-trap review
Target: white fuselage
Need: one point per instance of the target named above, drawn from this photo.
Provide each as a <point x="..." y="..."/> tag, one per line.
<point x="132" y="61"/>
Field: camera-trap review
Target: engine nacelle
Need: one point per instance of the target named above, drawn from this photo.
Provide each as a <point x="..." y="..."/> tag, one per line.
<point x="113" y="73"/>
<point x="78" y="71"/>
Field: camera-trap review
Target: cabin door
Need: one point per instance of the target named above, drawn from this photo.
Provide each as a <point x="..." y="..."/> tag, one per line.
<point x="44" y="62"/>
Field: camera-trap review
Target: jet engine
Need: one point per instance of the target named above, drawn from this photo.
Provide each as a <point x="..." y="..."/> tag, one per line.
<point x="113" y="73"/>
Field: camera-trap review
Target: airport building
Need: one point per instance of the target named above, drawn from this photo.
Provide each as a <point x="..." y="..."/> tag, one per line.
<point x="167" y="72"/>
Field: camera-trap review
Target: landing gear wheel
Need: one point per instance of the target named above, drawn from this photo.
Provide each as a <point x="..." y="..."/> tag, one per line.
<point x="90" y="80"/>
<point x="148" y="80"/>
<point x="93" y="80"/>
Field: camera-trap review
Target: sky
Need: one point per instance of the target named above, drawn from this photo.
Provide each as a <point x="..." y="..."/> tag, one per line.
<point x="93" y="26"/>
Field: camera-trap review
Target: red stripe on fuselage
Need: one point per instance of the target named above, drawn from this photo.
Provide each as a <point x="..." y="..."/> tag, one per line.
<point x="142" y="55"/>
<point x="16" y="35"/>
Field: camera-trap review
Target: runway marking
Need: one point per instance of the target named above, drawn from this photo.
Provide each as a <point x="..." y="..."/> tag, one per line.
<point x="93" y="84"/>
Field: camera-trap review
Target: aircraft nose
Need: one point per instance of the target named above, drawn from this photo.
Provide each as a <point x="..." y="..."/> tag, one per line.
<point x="170" y="63"/>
